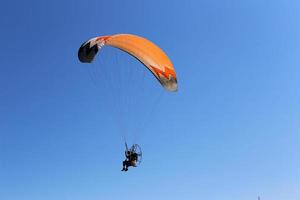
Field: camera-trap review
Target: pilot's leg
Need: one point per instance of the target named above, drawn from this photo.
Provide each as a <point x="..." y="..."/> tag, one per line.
<point x="124" y="166"/>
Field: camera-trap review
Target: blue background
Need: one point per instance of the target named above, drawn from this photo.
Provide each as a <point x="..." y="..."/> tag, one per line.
<point x="231" y="132"/>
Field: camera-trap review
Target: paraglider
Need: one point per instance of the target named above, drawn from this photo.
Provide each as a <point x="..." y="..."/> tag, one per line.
<point x="150" y="55"/>
<point x="133" y="157"/>
<point x="142" y="49"/>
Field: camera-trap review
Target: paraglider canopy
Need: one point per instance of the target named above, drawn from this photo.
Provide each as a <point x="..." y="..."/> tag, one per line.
<point x="142" y="49"/>
<point x="86" y="52"/>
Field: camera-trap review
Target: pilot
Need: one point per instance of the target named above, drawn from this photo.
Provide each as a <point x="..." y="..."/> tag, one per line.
<point x="131" y="159"/>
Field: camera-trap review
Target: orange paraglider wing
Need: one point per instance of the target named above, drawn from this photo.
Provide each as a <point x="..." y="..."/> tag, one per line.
<point x="142" y="49"/>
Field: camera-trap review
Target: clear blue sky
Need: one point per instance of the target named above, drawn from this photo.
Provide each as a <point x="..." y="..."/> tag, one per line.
<point x="231" y="132"/>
